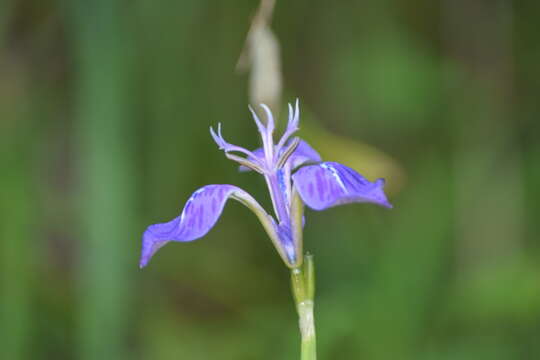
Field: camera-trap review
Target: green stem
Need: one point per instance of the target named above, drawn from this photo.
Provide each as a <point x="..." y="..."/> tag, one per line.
<point x="303" y="287"/>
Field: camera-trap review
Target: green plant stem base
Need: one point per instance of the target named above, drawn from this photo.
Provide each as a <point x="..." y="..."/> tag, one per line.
<point x="303" y="288"/>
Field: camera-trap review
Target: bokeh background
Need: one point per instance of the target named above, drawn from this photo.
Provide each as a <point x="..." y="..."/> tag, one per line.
<point x="104" y="113"/>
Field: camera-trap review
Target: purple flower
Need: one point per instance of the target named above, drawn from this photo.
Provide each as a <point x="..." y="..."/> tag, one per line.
<point x="295" y="176"/>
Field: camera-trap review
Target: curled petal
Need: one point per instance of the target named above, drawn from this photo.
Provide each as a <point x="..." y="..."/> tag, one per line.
<point x="265" y="131"/>
<point x="270" y="125"/>
<point x="292" y="125"/>
<point x="225" y="146"/>
<point x="329" y="184"/>
<point x="267" y="137"/>
<point x="260" y="126"/>
<point x="200" y="214"/>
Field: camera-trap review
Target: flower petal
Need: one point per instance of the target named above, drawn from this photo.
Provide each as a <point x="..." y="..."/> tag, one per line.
<point x="329" y="184"/>
<point x="199" y="215"/>
<point x="303" y="154"/>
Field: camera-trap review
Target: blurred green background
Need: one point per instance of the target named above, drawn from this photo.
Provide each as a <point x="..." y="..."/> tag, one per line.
<point x="104" y="113"/>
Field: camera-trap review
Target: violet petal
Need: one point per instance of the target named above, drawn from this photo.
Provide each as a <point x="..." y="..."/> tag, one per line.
<point x="199" y="215"/>
<point x="329" y="184"/>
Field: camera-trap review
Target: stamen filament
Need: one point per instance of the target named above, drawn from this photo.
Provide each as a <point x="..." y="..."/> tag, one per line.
<point x="245" y="162"/>
<point x="288" y="152"/>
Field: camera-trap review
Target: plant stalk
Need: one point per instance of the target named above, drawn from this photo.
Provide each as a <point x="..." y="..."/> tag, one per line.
<point x="303" y="288"/>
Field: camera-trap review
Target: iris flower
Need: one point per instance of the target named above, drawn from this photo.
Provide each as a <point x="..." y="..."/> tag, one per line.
<point x="295" y="176"/>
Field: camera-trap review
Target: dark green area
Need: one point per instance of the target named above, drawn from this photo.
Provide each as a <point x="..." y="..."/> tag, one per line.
<point x="104" y="114"/>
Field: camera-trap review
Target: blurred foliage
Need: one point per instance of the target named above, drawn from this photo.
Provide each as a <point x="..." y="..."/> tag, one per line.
<point x="104" y="115"/>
